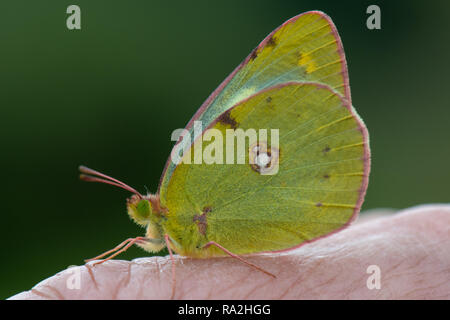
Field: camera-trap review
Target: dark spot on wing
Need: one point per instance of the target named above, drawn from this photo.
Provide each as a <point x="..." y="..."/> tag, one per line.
<point x="226" y="118"/>
<point x="201" y="220"/>
<point x="326" y="149"/>
<point x="254" y="54"/>
<point x="318" y="204"/>
<point x="269" y="99"/>
<point x="207" y="209"/>
<point x="326" y="176"/>
<point x="272" y="42"/>
<point x="255" y="167"/>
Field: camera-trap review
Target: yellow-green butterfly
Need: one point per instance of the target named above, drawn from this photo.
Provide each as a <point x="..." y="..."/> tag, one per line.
<point x="295" y="81"/>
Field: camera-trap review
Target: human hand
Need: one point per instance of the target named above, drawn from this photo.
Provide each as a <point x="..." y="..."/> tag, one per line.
<point x="411" y="249"/>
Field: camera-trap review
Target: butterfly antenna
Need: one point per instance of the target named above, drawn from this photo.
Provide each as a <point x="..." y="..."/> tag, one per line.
<point x="90" y="175"/>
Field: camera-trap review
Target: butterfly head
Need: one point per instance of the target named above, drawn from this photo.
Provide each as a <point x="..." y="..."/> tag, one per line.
<point x="140" y="209"/>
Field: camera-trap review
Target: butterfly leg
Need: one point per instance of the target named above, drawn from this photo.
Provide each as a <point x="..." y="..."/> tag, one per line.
<point x="118" y="249"/>
<point x="212" y="243"/>
<point x="174" y="280"/>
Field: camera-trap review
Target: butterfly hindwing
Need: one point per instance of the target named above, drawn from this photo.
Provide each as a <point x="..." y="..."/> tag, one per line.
<point x="318" y="188"/>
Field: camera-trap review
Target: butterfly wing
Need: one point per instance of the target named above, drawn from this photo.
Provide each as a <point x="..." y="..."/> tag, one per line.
<point x="304" y="48"/>
<point x="319" y="187"/>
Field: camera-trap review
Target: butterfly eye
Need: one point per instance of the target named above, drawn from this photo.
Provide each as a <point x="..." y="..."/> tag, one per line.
<point x="139" y="209"/>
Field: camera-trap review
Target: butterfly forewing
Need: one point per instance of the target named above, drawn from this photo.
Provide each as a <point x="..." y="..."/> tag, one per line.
<point x="305" y="48"/>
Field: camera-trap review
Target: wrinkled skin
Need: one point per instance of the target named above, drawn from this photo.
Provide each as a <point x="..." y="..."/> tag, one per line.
<point x="411" y="248"/>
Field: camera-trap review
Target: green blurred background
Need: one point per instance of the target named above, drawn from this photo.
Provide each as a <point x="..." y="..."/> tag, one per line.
<point x="109" y="96"/>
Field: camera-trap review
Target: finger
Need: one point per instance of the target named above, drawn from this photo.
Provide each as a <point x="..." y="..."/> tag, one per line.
<point x="410" y="249"/>
<point x="369" y="215"/>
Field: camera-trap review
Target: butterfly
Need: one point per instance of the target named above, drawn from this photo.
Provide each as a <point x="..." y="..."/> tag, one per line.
<point x="296" y="82"/>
